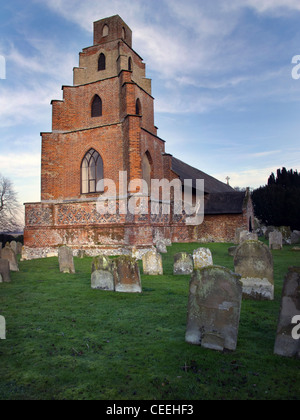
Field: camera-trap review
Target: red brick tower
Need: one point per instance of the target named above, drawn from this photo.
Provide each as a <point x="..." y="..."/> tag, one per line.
<point x="103" y="125"/>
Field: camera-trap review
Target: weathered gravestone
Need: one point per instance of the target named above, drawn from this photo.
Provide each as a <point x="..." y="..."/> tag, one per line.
<point x="254" y="262"/>
<point x="275" y="240"/>
<point x="288" y="334"/>
<point x="161" y="247"/>
<point x="202" y="258"/>
<point x="102" y="273"/>
<point x="152" y="264"/>
<point x="295" y="237"/>
<point x="183" y="264"/>
<point x="19" y="248"/>
<point x="232" y="251"/>
<point x="66" y="260"/>
<point x="214" y="308"/>
<point x="247" y="236"/>
<point x="81" y="253"/>
<point x="4" y="271"/>
<point x="127" y="276"/>
<point x="13" y="246"/>
<point x="8" y="254"/>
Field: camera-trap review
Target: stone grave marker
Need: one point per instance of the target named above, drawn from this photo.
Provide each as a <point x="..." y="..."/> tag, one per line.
<point x="254" y="262"/>
<point x="161" y="247"/>
<point x="202" y="258"/>
<point x="247" y="236"/>
<point x="214" y="308"/>
<point x="4" y="271"/>
<point x="66" y="260"/>
<point x="127" y="277"/>
<point x="102" y="274"/>
<point x="183" y="264"/>
<point x="152" y="263"/>
<point x="13" y="246"/>
<point x="295" y="237"/>
<point x="287" y="341"/>
<point x="81" y="253"/>
<point x="275" y="240"/>
<point x="19" y="248"/>
<point x="232" y="251"/>
<point x="8" y="254"/>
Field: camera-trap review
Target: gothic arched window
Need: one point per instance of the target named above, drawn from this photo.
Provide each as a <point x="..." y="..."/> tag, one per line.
<point x="91" y="172"/>
<point x="101" y="62"/>
<point x="97" y="106"/>
<point x="129" y="64"/>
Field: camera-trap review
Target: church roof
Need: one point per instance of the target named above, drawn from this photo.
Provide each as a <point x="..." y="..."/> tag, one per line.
<point x="211" y="185"/>
<point x="220" y="198"/>
<point x="224" y="203"/>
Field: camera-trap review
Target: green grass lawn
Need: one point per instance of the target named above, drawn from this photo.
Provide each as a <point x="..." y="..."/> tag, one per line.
<point x="67" y="341"/>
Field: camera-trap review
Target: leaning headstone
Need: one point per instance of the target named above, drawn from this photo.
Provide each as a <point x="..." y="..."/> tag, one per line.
<point x="8" y="254"/>
<point x="161" y="247"/>
<point x="275" y="240"/>
<point x="102" y="273"/>
<point x="152" y="264"/>
<point x="254" y="262"/>
<point x="4" y="271"/>
<point x="214" y="308"/>
<point x="183" y="264"/>
<point x="202" y="258"/>
<point x="127" y="277"/>
<point x="66" y="261"/>
<point x="288" y="334"/>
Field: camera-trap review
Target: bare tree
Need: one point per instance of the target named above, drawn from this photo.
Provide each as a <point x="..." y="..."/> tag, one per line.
<point x="10" y="209"/>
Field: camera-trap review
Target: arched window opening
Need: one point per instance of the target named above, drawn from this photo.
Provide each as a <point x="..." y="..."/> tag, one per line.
<point x="105" y="30"/>
<point x="97" y="106"/>
<point x="123" y="33"/>
<point x="138" y="107"/>
<point x="129" y="64"/>
<point x="147" y="170"/>
<point x="91" y="172"/>
<point x="101" y="62"/>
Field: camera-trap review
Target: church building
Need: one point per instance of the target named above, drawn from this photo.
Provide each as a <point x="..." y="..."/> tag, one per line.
<point x="104" y="126"/>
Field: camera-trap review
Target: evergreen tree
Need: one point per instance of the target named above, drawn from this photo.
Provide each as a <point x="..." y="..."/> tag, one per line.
<point x="278" y="203"/>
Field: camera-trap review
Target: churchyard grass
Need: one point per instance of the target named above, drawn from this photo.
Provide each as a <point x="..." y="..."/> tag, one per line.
<point x="67" y="341"/>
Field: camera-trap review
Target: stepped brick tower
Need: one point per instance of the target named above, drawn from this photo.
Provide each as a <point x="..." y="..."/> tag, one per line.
<point x="104" y="125"/>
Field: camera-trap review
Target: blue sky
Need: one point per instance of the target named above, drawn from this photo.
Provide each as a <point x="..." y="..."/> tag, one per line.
<point x="225" y="98"/>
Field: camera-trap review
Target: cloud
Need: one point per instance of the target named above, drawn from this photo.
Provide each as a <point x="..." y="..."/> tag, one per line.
<point x="20" y="165"/>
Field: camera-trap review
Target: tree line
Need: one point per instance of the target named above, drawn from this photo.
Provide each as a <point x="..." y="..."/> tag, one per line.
<point x="278" y="202"/>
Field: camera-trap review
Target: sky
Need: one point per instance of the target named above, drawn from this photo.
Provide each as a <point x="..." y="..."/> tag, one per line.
<point x="224" y="78"/>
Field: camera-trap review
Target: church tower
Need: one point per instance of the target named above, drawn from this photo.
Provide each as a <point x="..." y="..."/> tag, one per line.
<point x="104" y="126"/>
<point x="105" y="122"/>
